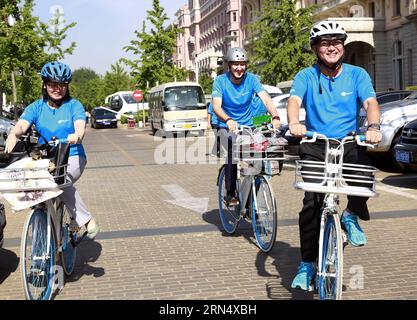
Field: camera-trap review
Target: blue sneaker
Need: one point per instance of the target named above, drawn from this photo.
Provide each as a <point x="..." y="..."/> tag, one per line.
<point x="304" y="280"/>
<point x="355" y="234"/>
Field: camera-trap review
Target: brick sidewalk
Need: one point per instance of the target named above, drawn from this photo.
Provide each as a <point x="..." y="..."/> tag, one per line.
<point x="149" y="248"/>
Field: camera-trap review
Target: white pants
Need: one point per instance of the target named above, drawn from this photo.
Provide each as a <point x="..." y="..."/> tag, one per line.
<point x="70" y="195"/>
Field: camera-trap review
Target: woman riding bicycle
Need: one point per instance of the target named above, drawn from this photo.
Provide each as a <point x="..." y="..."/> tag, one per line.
<point x="332" y="93"/>
<point x="232" y="97"/>
<point x="58" y="115"/>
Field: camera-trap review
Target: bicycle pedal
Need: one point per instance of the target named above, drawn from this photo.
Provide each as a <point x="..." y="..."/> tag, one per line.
<point x="345" y="238"/>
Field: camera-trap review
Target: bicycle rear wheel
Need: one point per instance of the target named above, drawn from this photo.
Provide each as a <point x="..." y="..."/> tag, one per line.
<point x="68" y="252"/>
<point x="229" y="215"/>
<point x="264" y="214"/>
<point x="330" y="275"/>
<point x="37" y="263"/>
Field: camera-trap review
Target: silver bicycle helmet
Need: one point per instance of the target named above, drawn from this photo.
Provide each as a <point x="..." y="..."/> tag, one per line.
<point x="236" y="54"/>
<point x="327" y="30"/>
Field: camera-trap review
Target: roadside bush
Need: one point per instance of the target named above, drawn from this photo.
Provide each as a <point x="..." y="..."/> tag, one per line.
<point x="136" y="116"/>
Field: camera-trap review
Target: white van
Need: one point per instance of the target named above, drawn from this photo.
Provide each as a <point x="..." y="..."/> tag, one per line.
<point x="178" y="106"/>
<point x="122" y="102"/>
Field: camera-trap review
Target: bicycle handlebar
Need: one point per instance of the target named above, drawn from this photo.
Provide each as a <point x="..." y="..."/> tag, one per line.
<point x="360" y="139"/>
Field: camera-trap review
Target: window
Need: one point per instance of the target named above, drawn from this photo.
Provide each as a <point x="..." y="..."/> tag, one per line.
<point x="410" y="66"/>
<point x="397" y="64"/>
<point x="371" y="8"/>
<point x="234" y="16"/>
<point x="397" y="8"/>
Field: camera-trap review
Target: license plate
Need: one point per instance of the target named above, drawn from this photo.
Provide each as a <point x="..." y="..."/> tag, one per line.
<point x="403" y="156"/>
<point x="106" y="122"/>
<point x="187" y="126"/>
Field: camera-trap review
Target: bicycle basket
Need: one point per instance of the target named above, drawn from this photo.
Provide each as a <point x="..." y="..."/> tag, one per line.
<point x="341" y="178"/>
<point x="59" y="155"/>
<point x="250" y="148"/>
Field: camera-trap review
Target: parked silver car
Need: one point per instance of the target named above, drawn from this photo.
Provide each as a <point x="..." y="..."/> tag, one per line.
<point x="394" y="116"/>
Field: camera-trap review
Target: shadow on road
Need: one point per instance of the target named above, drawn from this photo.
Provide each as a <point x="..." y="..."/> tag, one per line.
<point x="403" y="181"/>
<point x="8" y="263"/>
<point x="285" y="259"/>
<point x="87" y="252"/>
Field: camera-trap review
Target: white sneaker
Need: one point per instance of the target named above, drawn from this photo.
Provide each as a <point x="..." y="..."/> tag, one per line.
<point x="92" y="229"/>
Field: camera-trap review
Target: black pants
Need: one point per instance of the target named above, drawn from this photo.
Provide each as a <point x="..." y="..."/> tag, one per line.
<point x="2" y="223"/>
<point x="227" y="140"/>
<point x="309" y="219"/>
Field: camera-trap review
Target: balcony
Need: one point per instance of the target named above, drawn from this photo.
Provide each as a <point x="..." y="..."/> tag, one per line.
<point x="412" y="10"/>
<point x="333" y="5"/>
<point x="191" y="40"/>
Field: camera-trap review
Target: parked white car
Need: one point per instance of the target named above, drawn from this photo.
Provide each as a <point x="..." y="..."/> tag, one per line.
<point x="280" y="102"/>
<point x="394" y="116"/>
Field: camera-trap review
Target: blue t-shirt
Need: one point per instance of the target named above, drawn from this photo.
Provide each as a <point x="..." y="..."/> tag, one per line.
<point x="258" y="107"/>
<point x="335" y="112"/>
<point x="50" y="122"/>
<point x="237" y="99"/>
<point x="213" y="119"/>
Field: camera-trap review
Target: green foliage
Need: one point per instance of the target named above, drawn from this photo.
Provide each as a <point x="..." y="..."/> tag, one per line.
<point x="137" y="116"/>
<point x="117" y="79"/>
<point x="411" y="88"/>
<point x="206" y="81"/>
<point x="280" y="40"/>
<point x="86" y="86"/>
<point x="23" y="46"/>
<point x="154" y="50"/>
<point x="91" y="89"/>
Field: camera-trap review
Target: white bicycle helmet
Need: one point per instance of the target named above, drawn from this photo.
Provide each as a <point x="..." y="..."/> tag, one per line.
<point x="236" y="54"/>
<point x="327" y="30"/>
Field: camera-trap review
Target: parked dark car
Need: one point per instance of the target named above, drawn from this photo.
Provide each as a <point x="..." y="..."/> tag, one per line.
<point x="103" y="118"/>
<point x="390" y="96"/>
<point x="406" y="149"/>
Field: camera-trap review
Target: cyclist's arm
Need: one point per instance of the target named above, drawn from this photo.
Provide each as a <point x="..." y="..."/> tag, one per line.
<point x="217" y="108"/>
<point x="267" y="101"/>
<point x="78" y="135"/>
<point x="17" y="131"/>
<point x="373" y="116"/>
<point x="372" y="110"/>
<point x="293" y="116"/>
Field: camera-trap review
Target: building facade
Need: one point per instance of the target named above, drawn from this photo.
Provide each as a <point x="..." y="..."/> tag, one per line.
<point x="381" y="35"/>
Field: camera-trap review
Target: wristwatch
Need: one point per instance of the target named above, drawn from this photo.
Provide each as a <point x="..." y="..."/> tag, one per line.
<point x="374" y="126"/>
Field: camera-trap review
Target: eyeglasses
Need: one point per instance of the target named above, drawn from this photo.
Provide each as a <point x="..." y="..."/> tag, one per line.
<point x="328" y="43"/>
<point x="55" y="85"/>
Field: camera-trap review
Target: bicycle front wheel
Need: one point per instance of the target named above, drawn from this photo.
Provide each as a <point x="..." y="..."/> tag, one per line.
<point x="264" y="214"/>
<point x="229" y="215"/>
<point x="68" y="240"/>
<point x="330" y="275"/>
<point x="37" y="262"/>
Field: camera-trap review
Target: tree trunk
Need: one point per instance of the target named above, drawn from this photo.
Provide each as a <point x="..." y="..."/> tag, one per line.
<point x="14" y="90"/>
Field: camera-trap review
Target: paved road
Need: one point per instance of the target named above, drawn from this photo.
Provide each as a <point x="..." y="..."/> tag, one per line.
<point x="151" y="247"/>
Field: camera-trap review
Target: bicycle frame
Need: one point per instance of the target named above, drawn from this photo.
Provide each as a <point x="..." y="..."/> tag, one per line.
<point x="332" y="182"/>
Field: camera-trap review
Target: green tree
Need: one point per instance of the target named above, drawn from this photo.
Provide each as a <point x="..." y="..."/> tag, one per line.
<point x="154" y="51"/>
<point x="206" y="81"/>
<point x="23" y="46"/>
<point x="117" y="79"/>
<point x="55" y="33"/>
<point x="86" y="86"/>
<point x="280" y="40"/>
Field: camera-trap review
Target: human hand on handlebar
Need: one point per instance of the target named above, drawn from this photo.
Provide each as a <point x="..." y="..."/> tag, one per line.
<point x="10" y="142"/>
<point x="73" y="138"/>
<point x="276" y="124"/>
<point x="232" y="125"/>
<point x="373" y="136"/>
<point x="297" y="129"/>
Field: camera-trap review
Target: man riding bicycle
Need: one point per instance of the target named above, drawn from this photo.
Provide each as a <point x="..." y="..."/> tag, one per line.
<point x="332" y="93"/>
<point x="232" y="97"/>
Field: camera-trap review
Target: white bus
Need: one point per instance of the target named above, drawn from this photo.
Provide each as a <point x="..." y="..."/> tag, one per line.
<point x="177" y="106"/>
<point x="122" y="102"/>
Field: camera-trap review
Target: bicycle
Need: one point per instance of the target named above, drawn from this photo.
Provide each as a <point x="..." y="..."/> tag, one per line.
<point x="50" y="233"/>
<point x="331" y="177"/>
<point x="260" y="161"/>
